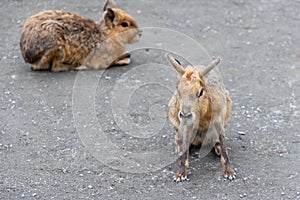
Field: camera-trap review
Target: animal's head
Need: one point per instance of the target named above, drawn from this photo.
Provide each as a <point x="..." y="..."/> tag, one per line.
<point x="119" y="23"/>
<point x="191" y="91"/>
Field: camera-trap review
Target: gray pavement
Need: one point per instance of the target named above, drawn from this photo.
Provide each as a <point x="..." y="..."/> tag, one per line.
<point x="43" y="154"/>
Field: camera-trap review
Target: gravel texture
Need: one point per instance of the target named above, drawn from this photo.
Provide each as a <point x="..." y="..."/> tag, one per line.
<point x="42" y="155"/>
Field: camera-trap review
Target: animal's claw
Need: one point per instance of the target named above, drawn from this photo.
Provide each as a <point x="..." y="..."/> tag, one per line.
<point x="180" y="177"/>
<point x="230" y="174"/>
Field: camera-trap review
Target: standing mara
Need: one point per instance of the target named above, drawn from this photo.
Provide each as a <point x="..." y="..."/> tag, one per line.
<point x="199" y="110"/>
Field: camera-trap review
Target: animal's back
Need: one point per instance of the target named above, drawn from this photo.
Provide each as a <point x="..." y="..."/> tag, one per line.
<point x="58" y="29"/>
<point x="221" y="102"/>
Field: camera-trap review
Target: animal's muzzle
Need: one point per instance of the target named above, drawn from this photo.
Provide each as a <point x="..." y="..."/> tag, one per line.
<point x="139" y="32"/>
<point x="186" y="118"/>
<point x="183" y="115"/>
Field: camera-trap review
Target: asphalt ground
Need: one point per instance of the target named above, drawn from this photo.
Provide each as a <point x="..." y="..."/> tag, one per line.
<point x="45" y="152"/>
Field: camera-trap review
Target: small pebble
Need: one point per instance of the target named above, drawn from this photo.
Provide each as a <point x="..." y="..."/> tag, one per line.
<point x="241" y="133"/>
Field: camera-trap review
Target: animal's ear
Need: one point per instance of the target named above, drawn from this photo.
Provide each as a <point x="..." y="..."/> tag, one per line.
<point x="109" y="17"/>
<point x="175" y="63"/>
<point x="109" y="4"/>
<point x="210" y="67"/>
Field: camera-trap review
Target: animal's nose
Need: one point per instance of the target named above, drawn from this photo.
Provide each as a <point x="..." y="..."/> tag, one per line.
<point x="186" y="115"/>
<point x="140" y="32"/>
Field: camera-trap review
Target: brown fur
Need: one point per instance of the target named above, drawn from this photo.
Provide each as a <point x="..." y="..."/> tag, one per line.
<point x="62" y="41"/>
<point x="199" y="119"/>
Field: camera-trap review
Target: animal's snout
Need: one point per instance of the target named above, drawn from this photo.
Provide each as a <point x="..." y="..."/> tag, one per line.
<point x="185" y="115"/>
<point x="139" y="32"/>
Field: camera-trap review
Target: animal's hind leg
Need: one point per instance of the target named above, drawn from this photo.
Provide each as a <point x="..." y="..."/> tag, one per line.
<point x="43" y="64"/>
<point x="40" y="67"/>
<point x="46" y="61"/>
<point x="57" y="66"/>
<point x="56" y="57"/>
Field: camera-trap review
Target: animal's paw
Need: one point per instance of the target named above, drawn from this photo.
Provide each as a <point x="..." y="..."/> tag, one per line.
<point x="230" y="174"/>
<point x="178" y="177"/>
<point x="124" y="61"/>
<point x="125" y="55"/>
<point x="81" y="68"/>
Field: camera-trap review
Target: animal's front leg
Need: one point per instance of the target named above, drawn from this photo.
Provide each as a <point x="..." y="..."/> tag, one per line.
<point x="81" y="68"/>
<point x="181" y="174"/>
<point x="182" y="147"/>
<point x="228" y="171"/>
<point x="123" y="59"/>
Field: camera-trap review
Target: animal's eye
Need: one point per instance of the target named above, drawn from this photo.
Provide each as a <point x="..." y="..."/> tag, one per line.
<point x="200" y="93"/>
<point x="124" y="24"/>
